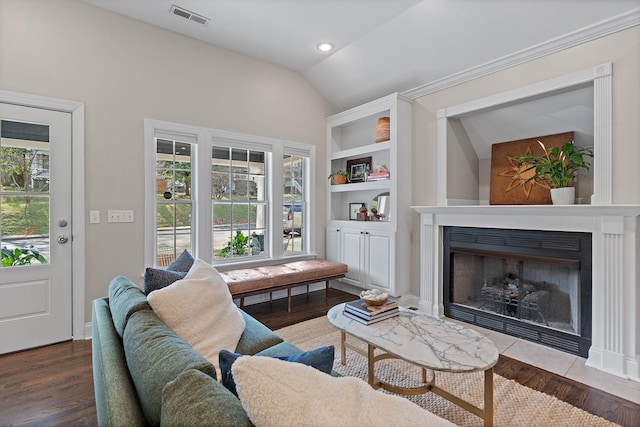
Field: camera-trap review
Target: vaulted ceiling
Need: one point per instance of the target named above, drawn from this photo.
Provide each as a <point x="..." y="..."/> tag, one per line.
<point x="381" y="46"/>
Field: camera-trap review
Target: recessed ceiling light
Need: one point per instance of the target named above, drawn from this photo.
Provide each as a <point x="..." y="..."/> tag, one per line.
<point x="325" y="47"/>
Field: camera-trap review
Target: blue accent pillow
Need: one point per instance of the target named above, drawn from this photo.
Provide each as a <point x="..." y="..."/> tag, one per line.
<point x="158" y="278"/>
<point x="183" y="263"/>
<point x="320" y="358"/>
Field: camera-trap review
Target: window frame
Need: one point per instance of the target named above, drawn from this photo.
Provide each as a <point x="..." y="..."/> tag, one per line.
<point x="204" y="139"/>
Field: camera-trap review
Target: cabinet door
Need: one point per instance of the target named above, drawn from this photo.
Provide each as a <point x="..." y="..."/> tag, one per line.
<point x="379" y="259"/>
<point x="333" y="244"/>
<point x="352" y="254"/>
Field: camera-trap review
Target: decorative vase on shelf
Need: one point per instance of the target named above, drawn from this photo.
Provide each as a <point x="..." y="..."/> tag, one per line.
<point x="381" y="132"/>
<point x="339" y="179"/>
<point x="563" y="195"/>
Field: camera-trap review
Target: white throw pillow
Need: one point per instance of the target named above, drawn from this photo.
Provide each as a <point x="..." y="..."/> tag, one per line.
<point x="199" y="308"/>
<point x="279" y="393"/>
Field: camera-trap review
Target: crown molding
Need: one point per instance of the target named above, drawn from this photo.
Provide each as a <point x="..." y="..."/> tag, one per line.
<point x="601" y="29"/>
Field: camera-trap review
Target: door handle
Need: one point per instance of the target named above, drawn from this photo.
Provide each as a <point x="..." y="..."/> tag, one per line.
<point x="63" y="239"/>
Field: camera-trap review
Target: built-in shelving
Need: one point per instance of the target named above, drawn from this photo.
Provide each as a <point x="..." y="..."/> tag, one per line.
<point x="377" y="252"/>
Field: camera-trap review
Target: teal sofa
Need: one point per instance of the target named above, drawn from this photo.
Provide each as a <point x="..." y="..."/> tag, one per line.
<point x="145" y="374"/>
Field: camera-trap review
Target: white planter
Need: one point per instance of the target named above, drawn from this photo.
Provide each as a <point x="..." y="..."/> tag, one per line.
<point x="563" y="196"/>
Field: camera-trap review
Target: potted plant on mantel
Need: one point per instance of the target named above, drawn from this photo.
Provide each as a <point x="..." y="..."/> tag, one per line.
<point x="340" y="177"/>
<point x="556" y="168"/>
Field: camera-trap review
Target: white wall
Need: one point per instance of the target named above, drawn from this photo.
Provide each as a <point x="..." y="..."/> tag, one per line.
<point x="621" y="49"/>
<point x="125" y="71"/>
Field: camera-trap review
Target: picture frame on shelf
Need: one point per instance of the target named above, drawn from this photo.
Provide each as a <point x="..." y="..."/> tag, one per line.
<point x="354" y="208"/>
<point x="358" y="168"/>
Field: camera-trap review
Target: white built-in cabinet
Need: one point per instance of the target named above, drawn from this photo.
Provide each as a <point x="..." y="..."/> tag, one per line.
<point x="377" y="252"/>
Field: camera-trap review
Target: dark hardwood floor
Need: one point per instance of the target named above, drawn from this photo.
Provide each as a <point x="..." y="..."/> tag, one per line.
<point x="53" y="385"/>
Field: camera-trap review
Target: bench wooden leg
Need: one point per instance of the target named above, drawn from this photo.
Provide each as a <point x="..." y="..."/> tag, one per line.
<point x="326" y="290"/>
<point x="289" y="300"/>
<point x="241" y="302"/>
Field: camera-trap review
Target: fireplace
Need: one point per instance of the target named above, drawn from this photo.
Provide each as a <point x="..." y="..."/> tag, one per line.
<point x="531" y="284"/>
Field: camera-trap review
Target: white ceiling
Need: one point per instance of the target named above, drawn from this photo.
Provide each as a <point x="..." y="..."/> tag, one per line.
<point x="382" y="46"/>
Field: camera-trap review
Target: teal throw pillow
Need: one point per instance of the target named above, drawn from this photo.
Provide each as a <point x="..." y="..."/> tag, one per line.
<point x="320" y="358"/>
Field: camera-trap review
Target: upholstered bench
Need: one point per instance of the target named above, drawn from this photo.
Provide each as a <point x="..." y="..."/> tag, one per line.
<point x="260" y="280"/>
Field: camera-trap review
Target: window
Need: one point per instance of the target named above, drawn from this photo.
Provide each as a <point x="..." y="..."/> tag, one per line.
<point x="173" y="199"/>
<point x="239" y="202"/>
<point x="293" y="202"/>
<point x="218" y="194"/>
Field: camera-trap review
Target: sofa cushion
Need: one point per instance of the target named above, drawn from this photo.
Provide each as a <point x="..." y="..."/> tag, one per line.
<point x="158" y="278"/>
<point x="278" y="393"/>
<point x="256" y="337"/>
<point x="125" y="298"/>
<point x="195" y="399"/>
<point x="156" y="355"/>
<point x="284" y="348"/>
<point x="320" y="359"/>
<point x="200" y="309"/>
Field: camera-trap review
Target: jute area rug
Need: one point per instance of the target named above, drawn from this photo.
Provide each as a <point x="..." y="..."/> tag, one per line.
<point x="514" y="404"/>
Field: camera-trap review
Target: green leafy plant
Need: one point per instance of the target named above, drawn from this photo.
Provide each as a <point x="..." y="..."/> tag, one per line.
<point x="13" y="257"/>
<point x="555" y="167"/>
<point x="239" y="245"/>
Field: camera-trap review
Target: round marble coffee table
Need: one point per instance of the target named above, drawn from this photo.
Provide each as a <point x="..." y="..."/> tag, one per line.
<point x="425" y="341"/>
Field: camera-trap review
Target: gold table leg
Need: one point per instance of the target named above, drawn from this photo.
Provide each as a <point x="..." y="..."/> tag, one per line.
<point x="371" y="362"/>
<point x="488" y="397"/>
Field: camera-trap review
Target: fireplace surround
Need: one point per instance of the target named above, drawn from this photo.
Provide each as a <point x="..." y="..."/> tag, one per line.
<point x="615" y="253"/>
<point x="530" y="284"/>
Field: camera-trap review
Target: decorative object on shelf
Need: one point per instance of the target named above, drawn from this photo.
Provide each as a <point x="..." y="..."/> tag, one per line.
<point x="556" y="167"/>
<point x="340" y="177"/>
<point x="362" y="213"/>
<point x="382" y="131"/>
<point x="380" y="204"/>
<point x="354" y="210"/>
<point x="563" y="195"/>
<point x="358" y="169"/>
<point x="511" y="184"/>
<point x="374" y="296"/>
<point x="382" y="173"/>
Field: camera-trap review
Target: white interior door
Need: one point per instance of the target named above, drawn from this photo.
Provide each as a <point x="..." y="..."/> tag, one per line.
<point x="35" y="220"/>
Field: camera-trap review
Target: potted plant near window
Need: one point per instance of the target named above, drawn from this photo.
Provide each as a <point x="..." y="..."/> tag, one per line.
<point x="556" y="168"/>
<point x="340" y="177"/>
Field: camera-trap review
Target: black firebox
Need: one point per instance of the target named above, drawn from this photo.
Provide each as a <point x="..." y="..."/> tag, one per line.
<point x="530" y="284"/>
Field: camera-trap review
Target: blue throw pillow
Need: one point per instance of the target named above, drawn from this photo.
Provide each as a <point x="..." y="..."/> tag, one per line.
<point x="158" y="278"/>
<point x="183" y="263"/>
<point x="320" y="358"/>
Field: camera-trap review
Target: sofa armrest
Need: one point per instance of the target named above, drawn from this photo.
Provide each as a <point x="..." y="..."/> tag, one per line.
<point x="116" y="399"/>
<point x="256" y="337"/>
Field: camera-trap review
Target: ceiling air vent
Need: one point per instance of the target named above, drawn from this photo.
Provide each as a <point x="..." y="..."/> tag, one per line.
<point x="176" y="10"/>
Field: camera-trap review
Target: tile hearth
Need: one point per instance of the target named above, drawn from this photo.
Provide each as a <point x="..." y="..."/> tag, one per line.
<point x="560" y="363"/>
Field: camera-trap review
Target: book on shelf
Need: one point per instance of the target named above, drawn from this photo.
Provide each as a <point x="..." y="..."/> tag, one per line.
<point x="378" y="176"/>
<point x="369" y="321"/>
<point x="364" y="309"/>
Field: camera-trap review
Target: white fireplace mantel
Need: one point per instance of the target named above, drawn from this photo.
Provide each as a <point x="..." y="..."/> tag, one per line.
<point x="615" y="254"/>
